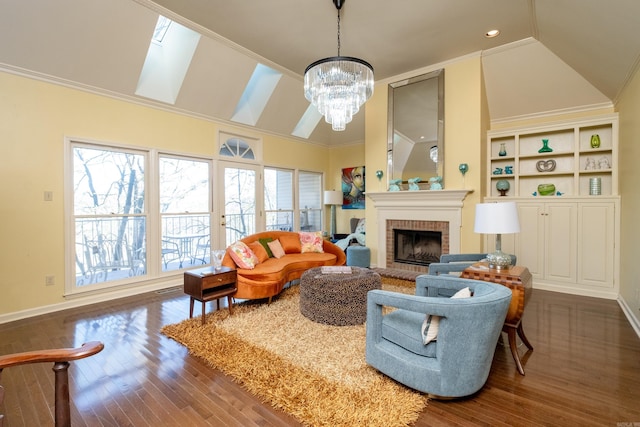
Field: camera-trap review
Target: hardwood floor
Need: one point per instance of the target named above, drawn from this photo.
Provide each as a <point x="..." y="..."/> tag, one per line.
<point x="584" y="370"/>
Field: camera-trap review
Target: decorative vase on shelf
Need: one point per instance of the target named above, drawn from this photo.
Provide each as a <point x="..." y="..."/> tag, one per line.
<point x="545" y="147"/>
<point x="546" y="189"/>
<point x="503" y="150"/>
<point x="595" y="141"/>
<point x="503" y="186"/>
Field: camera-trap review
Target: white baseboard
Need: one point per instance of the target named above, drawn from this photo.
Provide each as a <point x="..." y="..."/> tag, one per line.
<point x="82" y="300"/>
<point x="631" y="316"/>
<point x="576" y="290"/>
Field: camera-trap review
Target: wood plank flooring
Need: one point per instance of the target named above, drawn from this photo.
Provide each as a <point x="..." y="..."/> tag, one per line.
<point x="584" y="371"/>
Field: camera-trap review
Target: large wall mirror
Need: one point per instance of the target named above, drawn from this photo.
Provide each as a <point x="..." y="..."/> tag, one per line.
<point x="416" y="128"/>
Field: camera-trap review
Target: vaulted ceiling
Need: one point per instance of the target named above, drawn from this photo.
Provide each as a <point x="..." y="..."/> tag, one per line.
<point x="550" y="55"/>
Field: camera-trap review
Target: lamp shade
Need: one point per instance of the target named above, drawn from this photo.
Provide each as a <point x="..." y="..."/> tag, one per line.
<point x="497" y="218"/>
<point x="332" y="197"/>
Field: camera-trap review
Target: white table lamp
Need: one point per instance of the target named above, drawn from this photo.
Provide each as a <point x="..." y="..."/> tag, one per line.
<point x="333" y="198"/>
<point x="498" y="219"/>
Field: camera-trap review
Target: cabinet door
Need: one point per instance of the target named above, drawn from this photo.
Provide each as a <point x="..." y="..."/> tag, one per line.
<point x="596" y="228"/>
<point x="529" y="243"/>
<point x="561" y="242"/>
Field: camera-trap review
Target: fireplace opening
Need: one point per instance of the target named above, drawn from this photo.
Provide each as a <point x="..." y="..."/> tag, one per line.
<point x="417" y="247"/>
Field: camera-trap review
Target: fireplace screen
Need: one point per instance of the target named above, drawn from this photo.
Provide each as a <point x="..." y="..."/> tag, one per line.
<point x="417" y="247"/>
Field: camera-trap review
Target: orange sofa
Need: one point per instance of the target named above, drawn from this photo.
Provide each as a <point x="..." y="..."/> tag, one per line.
<point x="269" y="277"/>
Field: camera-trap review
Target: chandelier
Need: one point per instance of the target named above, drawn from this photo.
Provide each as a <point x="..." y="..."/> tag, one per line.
<point x="338" y="85"/>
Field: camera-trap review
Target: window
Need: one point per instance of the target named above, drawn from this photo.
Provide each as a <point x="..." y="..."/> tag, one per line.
<point x="278" y="199"/>
<point x="162" y="25"/>
<point x="310" y="196"/>
<point x="239" y="148"/>
<point x="109" y="214"/>
<point x="184" y="212"/>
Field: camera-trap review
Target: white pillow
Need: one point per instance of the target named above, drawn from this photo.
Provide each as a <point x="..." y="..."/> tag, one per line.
<point x="431" y="323"/>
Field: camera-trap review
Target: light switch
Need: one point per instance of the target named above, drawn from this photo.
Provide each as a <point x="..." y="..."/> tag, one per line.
<point x="48" y="196"/>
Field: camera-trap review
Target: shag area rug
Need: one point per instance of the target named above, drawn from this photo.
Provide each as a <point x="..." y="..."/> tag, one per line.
<point x="315" y="372"/>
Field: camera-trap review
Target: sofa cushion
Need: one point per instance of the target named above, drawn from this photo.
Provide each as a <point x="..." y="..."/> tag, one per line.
<point x="264" y="242"/>
<point x="242" y="255"/>
<point x="276" y="248"/>
<point x="290" y="243"/>
<point x="287" y="268"/>
<point x="310" y="241"/>
<point x="259" y="251"/>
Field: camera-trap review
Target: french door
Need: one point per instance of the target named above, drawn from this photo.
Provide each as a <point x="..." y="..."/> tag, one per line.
<point x="239" y="206"/>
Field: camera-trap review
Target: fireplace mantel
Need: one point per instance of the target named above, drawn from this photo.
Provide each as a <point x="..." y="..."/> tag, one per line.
<point x="421" y="198"/>
<point x="423" y="205"/>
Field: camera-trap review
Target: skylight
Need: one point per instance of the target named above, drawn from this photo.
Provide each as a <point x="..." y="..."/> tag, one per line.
<point x="161" y="29"/>
<point x="308" y="122"/>
<point x="170" y="52"/>
<point x="256" y="94"/>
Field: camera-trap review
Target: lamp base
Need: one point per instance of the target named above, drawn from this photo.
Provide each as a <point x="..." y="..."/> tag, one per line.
<point x="498" y="260"/>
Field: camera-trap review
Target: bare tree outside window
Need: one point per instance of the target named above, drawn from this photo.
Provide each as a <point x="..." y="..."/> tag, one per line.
<point x="109" y="214"/>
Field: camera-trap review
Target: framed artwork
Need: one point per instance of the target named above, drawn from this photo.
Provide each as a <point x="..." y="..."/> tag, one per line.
<point x="353" y="188"/>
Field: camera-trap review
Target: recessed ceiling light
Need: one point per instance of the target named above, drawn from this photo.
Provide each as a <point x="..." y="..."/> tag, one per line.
<point x="491" y="33"/>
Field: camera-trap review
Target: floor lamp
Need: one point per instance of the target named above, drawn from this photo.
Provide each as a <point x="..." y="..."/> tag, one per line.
<point x="333" y="198"/>
<point x="498" y="219"/>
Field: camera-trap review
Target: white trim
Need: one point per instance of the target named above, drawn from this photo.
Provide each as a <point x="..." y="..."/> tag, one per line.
<point x="553" y="113"/>
<point x="147" y="102"/>
<point x="92" y="298"/>
<point x="631" y="317"/>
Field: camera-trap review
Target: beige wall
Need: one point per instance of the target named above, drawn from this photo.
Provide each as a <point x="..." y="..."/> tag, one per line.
<point x="346" y="157"/>
<point x="36" y="117"/>
<point x="465" y="131"/>
<point x="629" y="113"/>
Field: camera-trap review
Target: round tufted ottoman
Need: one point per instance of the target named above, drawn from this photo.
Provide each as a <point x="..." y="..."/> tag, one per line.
<point x="337" y="299"/>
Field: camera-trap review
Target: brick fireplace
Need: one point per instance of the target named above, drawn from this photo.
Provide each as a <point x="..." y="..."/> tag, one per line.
<point x="430" y="252"/>
<point x="439" y="211"/>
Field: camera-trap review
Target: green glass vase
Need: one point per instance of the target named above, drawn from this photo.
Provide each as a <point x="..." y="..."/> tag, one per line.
<point x="595" y="141"/>
<point x="545" y="147"/>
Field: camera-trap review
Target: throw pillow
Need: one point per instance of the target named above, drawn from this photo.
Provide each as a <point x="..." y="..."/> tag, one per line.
<point x="431" y="323"/>
<point x="311" y="241"/>
<point x="264" y="242"/>
<point x="360" y="228"/>
<point x="259" y="251"/>
<point x="276" y="248"/>
<point x="290" y="243"/>
<point x="242" y="255"/>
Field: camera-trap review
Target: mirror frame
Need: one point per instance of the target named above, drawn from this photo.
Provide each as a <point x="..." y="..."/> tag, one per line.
<point x="437" y="74"/>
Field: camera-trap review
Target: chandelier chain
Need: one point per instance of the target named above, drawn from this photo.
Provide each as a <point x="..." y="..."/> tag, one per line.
<point x="338" y="86"/>
<point x="338" y="32"/>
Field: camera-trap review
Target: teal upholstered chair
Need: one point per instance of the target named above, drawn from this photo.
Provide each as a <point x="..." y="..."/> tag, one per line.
<point x="455" y="263"/>
<point x="458" y="362"/>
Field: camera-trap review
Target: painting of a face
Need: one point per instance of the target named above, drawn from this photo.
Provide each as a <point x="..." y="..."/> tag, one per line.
<point x="353" y="188"/>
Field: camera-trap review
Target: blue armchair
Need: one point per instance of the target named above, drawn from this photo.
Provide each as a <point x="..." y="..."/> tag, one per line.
<point x="455" y="263"/>
<point x="458" y="362"/>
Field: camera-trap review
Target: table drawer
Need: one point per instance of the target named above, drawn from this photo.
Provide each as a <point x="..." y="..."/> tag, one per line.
<point x="217" y="280"/>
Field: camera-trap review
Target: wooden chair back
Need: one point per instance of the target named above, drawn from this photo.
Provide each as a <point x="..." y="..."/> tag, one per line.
<point x="60" y="357"/>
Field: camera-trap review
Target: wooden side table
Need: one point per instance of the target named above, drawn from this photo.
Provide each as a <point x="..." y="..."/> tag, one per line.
<point x="207" y="284"/>
<point x="519" y="280"/>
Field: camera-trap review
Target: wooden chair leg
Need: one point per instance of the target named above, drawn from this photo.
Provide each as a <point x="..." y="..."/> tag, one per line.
<point x="63" y="411"/>
<point x="1" y="400"/>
